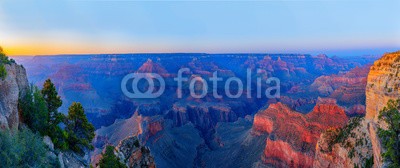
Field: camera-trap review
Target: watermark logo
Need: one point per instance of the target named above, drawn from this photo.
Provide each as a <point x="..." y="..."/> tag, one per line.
<point x="150" y="78"/>
<point x="153" y="85"/>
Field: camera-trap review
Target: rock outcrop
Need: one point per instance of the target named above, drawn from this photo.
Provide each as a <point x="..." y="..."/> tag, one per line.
<point x="65" y="159"/>
<point x="12" y="88"/>
<point x="292" y="135"/>
<point x="151" y="67"/>
<point x="133" y="154"/>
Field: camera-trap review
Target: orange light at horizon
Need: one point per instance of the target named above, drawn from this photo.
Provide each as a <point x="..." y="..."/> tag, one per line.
<point x="59" y="49"/>
<point x="29" y="50"/>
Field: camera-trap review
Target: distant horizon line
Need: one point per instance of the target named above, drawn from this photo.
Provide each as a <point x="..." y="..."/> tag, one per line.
<point x="206" y="53"/>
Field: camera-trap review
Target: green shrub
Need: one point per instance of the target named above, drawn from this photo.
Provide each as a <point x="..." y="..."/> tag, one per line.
<point x="23" y="149"/>
<point x="391" y="136"/>
<point x="34" y="110"/>
<point x="3" y="72"/>
<point x="369" y="163"/>
<point x="109" y="160"/>
<point x="4" y="60"/>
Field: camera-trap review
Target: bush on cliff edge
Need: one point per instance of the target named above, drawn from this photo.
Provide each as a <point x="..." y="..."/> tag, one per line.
<point x="23" y="148"/>
<point x="391" y="136"/>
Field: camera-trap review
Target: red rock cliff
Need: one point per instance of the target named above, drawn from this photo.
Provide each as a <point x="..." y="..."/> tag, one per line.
<point x="292" y="135"/>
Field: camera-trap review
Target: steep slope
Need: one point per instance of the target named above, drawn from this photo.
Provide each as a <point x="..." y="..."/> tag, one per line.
<point x="12" y="88"/>
<point x="383" y="85"/>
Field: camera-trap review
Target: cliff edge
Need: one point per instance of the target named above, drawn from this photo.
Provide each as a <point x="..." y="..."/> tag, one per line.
<point x="12" y="87"/>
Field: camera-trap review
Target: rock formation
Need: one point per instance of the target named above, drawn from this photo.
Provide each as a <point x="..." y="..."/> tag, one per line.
<point x="345" y="147"/>
<point x="383" y="85"/>
<point x="347" y="88"/>
<point x="12" y="88"/>
<point x="133" y="154"/>
<point x="292" y="135"/>
<point x="363" y="143"/>
<point x="152" y="67"/>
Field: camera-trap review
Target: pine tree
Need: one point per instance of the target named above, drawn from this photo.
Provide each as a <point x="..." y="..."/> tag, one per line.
<point x="80" y="130"/>
<point x="53" y="102"/>
<point x="109" y="160"/>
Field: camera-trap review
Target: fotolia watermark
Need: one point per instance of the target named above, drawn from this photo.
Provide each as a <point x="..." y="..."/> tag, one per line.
<point x="153" y="85"/>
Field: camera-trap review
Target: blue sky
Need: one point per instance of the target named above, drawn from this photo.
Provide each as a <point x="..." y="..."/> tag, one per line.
<point x="333" y="27"/>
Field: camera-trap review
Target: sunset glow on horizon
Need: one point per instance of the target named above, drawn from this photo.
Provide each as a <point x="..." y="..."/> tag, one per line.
<point x="81" y="27"/>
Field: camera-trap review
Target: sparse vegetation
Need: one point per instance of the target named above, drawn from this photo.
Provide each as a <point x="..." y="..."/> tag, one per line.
<point x="80" y="130"/>
<point x="340" y="135"/>
<point x="3" y="60"/>
<point x="391" y="136"/>
<point x="23" y="149"/>
<point x="345" y="132"/>
<point x="3" y="72"/>
<point x="369" y="163"/>
<point x="109" y="160"/>
<point x="351" y="153"/>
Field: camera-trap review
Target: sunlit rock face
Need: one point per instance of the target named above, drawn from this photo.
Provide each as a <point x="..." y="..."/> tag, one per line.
<point x="383" y="85"/>
<point x="292" y="135"/>
<point x="12" y="88"/>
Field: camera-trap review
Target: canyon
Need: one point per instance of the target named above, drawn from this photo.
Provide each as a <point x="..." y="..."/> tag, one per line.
<point x="319" y="95"/>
